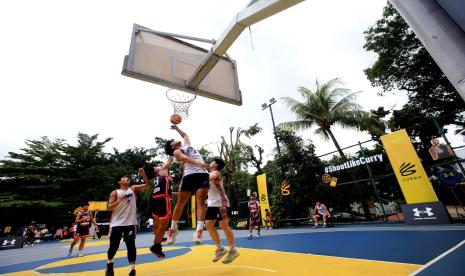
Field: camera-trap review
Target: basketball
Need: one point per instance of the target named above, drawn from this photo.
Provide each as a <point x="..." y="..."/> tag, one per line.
<point x="175" y="119"/>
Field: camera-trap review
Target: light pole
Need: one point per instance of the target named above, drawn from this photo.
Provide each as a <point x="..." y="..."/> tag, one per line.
<point x="265" y="106"/>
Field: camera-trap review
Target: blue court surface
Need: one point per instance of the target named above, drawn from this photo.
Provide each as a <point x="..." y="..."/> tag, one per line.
<point x="369" y="249"/>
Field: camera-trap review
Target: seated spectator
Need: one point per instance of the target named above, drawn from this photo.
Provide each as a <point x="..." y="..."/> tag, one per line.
<point x="320" y="210"/>
<point x="268" y="219"/>
<point x="58" y="234"/>
<point x="30" y="236"/>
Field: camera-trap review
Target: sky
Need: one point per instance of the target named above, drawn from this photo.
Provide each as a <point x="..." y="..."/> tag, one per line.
<point x="61" y="69"/>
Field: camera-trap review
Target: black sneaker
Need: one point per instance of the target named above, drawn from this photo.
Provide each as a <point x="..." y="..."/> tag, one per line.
<point x="156" y="249"/>
<point x="132" y="273"/>
<point x="109" y="271"/>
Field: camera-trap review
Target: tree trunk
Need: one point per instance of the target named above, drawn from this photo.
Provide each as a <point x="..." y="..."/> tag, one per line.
<point x="335" y="143"/>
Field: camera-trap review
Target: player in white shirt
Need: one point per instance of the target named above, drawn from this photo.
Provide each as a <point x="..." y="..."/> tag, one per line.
<point x="194" y="181"/>
<point x="123" y="223"/>
<point x="217" y="210"/>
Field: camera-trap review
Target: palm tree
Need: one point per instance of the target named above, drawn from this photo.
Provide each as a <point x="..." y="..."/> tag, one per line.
<point x="328" y="105"/>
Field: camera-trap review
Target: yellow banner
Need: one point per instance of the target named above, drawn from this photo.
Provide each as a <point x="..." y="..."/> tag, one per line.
<point x="409" y="171"/>
<point x="193" y="212"/>
<point x="98" y="205"/>
<point x="263" y="195"/>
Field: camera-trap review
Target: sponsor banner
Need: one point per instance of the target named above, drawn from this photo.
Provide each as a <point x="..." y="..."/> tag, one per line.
<point x="263" y="195"/>
<point x="425" y="213"/>
<point x="354" y="163"/>
<point x="193" y="212"/>
<point x="407" y="167"/>
<point x="11" y="242"/>
<point x="98" y="206"/>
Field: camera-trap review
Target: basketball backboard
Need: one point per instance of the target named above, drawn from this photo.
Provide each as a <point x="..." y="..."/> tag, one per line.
<point x="162" y="59"/>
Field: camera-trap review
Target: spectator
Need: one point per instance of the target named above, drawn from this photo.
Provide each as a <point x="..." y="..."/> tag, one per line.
<point x="268" y="219"/>
<point x="320" y="210"/>
<point x="58" y="234"/>
<point x="30" y="236"/>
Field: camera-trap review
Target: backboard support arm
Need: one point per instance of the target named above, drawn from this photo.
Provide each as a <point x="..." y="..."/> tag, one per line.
<point x="253" y="13"/>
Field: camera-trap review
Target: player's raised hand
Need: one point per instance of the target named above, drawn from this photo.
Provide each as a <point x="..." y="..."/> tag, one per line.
<point x="141" y="172"/>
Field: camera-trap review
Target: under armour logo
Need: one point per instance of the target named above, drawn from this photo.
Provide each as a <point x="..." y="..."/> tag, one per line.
<point x="426" y="211"/>
<point x="6" y="242"/>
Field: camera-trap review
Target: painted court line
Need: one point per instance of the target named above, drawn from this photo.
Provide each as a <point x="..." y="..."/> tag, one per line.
<point x="438" y="258"/>
<point x="209" y="267"/>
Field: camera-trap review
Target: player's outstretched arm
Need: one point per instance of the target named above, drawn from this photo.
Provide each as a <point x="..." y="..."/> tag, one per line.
<point x="184" y="136"/>
<point x="164" y="169"/>
<point x="144" y="186"/>
<point x="181" y="157"/>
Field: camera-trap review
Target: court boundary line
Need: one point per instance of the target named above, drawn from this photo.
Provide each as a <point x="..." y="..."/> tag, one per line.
<point x="428" y="264"/>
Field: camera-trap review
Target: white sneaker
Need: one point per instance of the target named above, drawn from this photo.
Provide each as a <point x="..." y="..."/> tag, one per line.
<point x="232" y="254"/>
<point x="219" y="253"/>
<point x="79" y="254"/>
<point x="197" y="236"/>
<point x="172" y="236"/>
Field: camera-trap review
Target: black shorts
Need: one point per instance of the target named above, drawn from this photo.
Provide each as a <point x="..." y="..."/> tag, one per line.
<point x="257" y="220"/>
<point x="160" y="206"/>
<point x="127" y="232"/>
<point x="214" y="213"/>
<point x="193" y="182"/>
<point x="82" y="231"/>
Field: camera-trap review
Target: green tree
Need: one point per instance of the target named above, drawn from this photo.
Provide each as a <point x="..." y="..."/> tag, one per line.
<point x="302" y="167"/>
<point x="404" y="64"/>
<point x="327" y="106"/>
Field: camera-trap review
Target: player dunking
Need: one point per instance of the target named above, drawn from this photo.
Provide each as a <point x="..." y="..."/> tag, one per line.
<point x="217" y="209"/>
<point x="83" y="221"/>
<point x="160" y="204"/>
<point x="123" y="223"/>
<point x="194" y="181"/>
<point x="255" y="218"/>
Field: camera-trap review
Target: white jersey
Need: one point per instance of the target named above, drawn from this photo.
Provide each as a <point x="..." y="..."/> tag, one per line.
<point x="192" y="153"/>
<point x="125" y="212"/>
<point x="217" y="196"/>
<point x="320" y="210"/>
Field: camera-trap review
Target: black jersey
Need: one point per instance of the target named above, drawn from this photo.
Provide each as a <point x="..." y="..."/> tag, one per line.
<point x="164" y="186"/>
<point x="86" y="216"/>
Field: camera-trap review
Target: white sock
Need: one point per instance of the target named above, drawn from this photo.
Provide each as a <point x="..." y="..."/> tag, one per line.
<point x="200" y="225"/>
<point x="316" y="224"/>
<point x="110" y="261"/>
<point x="219" y="246"/>
<point x="131" y="267"/>
<point x="174" y="225"/>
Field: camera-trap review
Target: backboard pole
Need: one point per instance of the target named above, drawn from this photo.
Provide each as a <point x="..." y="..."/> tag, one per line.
<point x="253" y="13"/>
<point x="440" y="35"/>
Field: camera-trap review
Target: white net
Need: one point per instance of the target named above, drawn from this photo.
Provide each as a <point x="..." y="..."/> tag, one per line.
<point x="181" y="101"/>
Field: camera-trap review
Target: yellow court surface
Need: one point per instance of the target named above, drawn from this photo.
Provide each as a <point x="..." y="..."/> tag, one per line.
<point x="251" y="262"/>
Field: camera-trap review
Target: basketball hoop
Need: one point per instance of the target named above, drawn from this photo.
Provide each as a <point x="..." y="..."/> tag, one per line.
<point x="181" y="101"/>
